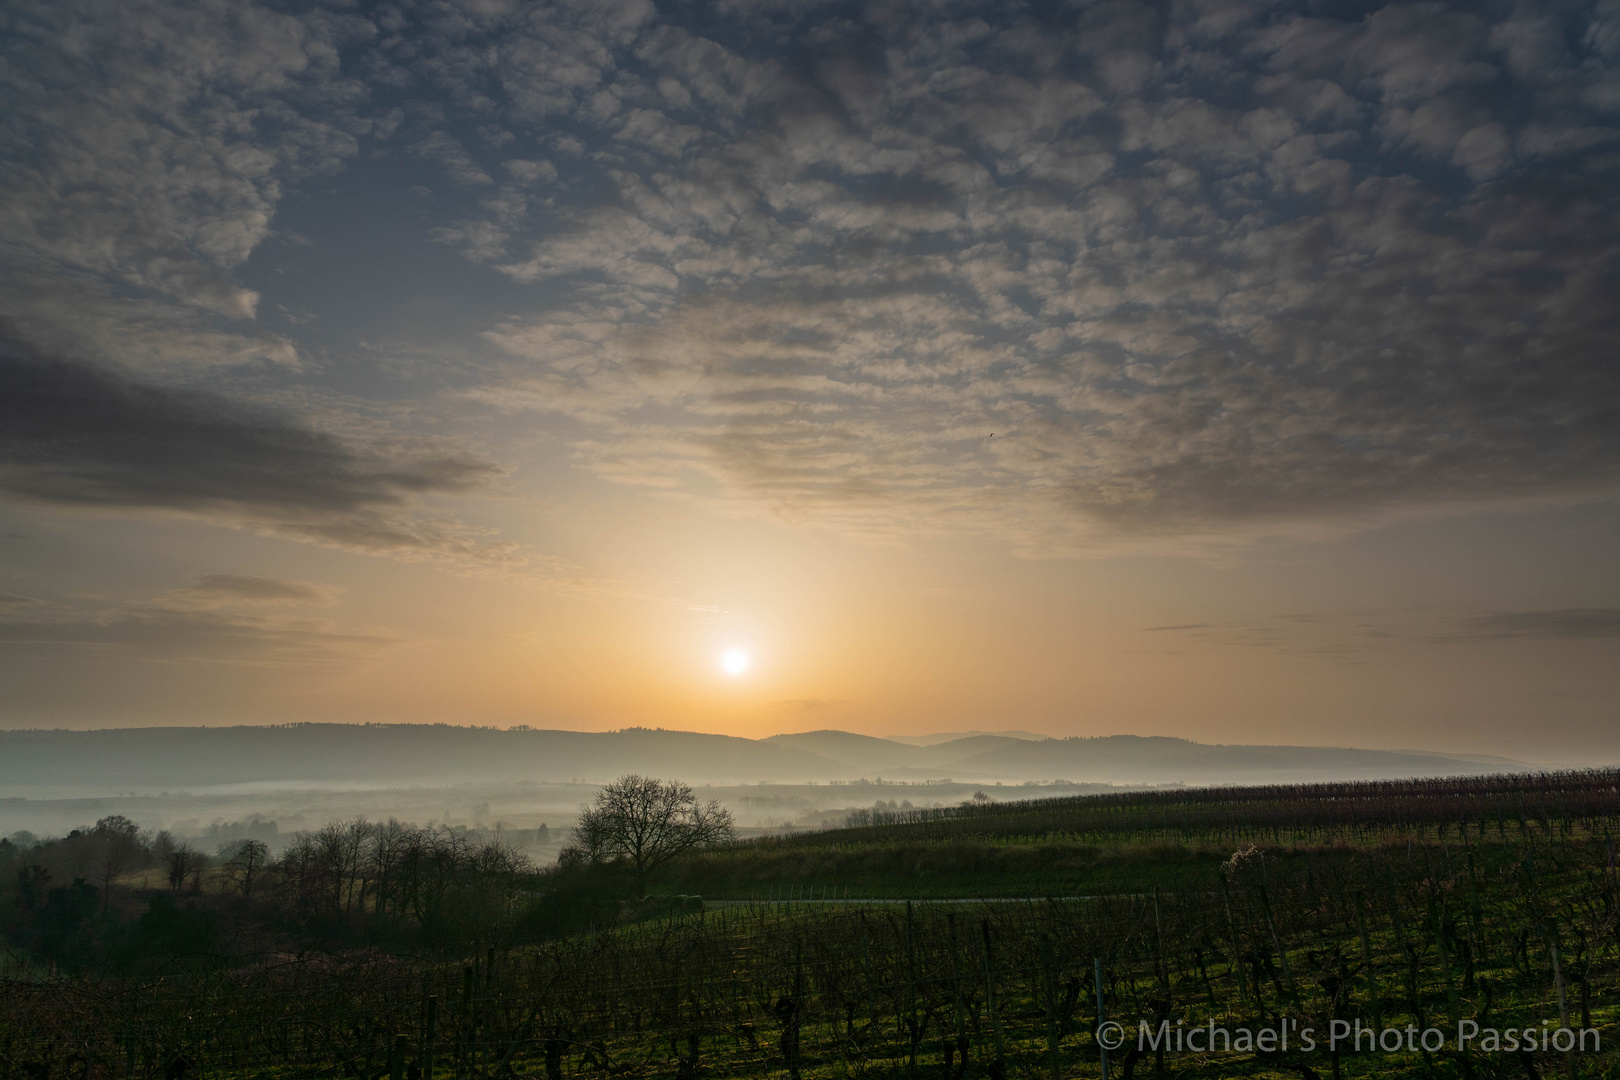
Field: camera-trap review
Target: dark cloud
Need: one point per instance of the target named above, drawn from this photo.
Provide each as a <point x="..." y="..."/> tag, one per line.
<point x="167" y="631"/>
<point x="228" y="588"/>
<point x="72" y="434"/>
<point x="1328" y="635"/>
<point x="1562" y="624"/>
<point x="1346" y="634"/>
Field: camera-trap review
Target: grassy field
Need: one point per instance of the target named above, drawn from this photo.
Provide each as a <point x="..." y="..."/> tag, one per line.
<point x="1494" y="907"/>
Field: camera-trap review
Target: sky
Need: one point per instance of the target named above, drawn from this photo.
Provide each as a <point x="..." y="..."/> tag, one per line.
<point x="1239" y="371"/>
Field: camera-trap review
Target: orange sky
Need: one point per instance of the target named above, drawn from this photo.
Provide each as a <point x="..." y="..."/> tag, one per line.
<point x="1371" y="638"/>
<point x="1243" y="375"/>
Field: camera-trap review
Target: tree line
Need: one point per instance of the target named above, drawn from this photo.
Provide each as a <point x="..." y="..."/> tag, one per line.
<point x="89" y="898"/>
<point x="113" y="892"/>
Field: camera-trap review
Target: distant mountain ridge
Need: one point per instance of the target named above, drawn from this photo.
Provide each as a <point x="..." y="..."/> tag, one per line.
<point x="384" y="753"/>
<point x="952" y="736"/>
<point x="387" y="754"/>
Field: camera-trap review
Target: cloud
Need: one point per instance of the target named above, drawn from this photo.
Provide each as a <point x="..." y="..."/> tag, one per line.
<point x="149" y="143"/>
<point x="1115" y="276"/>
<point x="218" y="589"/>
<point x="80" y="436"/>
<point x="1564" y="624"/>
<point x="75" y="314"/>
<point x="1349" y="634"/>
<point x="76" y="436"/>
<point x="1326" y="635"/>
<point x="176" y="628"/>
<point x="439" y="148"/>
<point x="1277" y="273"/>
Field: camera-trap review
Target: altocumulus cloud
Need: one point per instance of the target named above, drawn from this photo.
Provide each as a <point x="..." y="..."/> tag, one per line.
<point x="1195" y="267"/>
<point x="149" y="143"/>
<point x="1070" y="273"/>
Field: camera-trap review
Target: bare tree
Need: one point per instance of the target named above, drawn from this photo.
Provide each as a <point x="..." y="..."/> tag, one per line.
<point x="186" y="861"/>
<point x="430" y="868"/>
<point x="643" y="823"/>
<point x="245" y="859"/>
<point x="342" y="850"/>
<point x="121" y="850"/>
<point x="300" y="874"/>
<point x="356" y="841"/>
<point x="389" y="840"/>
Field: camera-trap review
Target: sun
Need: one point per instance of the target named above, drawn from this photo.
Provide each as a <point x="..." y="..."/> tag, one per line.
<point x="734" y="662"/>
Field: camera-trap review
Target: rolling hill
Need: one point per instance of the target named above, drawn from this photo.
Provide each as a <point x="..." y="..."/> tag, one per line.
<point x="393" y="754"/>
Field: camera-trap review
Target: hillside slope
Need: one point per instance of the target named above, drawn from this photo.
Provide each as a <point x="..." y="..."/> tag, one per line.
<point x="1157" y="759"/>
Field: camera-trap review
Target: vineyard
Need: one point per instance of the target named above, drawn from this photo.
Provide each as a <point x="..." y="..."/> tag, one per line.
<point x="1351" y="810"/>
<point x="1140" y="841"/>
<point x="1490" y="903"/>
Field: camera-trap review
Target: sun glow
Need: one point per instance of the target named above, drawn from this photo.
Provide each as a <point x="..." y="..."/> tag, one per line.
<point x="734" y="662"/>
